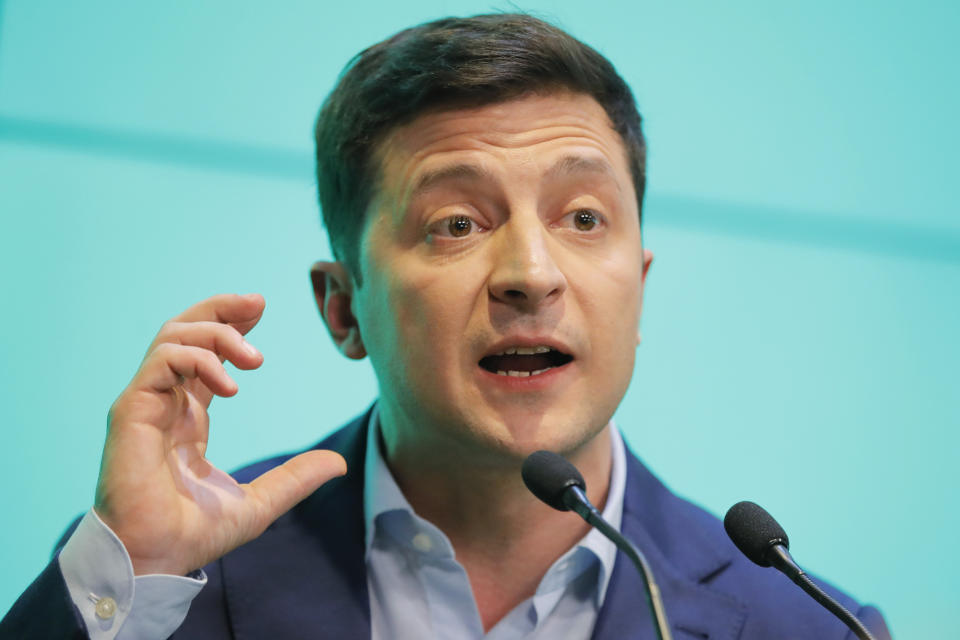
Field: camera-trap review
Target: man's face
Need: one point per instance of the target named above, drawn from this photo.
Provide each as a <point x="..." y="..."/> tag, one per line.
<point x="502" y="278"/>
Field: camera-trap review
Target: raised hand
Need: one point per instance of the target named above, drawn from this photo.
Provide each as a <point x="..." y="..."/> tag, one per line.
<point x="173" y="510"/>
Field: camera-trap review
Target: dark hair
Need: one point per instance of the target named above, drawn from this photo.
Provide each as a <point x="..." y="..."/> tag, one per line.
<point x="450" y="63"/>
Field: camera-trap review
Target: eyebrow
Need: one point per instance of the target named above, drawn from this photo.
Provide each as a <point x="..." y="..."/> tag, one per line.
<point x="431" y="179"/>
<point x="564" y="167"/>
<point x="571" y="165"/>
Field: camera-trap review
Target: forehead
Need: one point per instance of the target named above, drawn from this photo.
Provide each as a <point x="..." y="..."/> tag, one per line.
<point x="530" y="132"/>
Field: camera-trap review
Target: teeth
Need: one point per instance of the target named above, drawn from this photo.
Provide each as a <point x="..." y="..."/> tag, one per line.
<point x="522" y="374"/>
<point x="529" y="351"/>
<point x="524" y="351"/>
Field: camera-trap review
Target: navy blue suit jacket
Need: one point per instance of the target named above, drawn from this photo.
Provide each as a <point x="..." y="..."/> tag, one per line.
<point x="305" y="577"/>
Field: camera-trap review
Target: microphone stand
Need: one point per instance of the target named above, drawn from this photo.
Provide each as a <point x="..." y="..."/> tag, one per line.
<point x="780" y="559"/>
<point x="576" y="500"/>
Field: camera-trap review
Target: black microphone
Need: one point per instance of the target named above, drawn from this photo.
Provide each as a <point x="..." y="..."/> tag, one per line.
<point x="558" y="483"/>
<point x="764" y="541"/>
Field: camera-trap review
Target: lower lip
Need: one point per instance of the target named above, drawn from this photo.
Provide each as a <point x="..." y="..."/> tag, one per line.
<point x="526" y="383"/>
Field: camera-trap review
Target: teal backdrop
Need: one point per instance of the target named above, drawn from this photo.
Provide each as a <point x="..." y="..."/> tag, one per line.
<point x="801" y="323"/>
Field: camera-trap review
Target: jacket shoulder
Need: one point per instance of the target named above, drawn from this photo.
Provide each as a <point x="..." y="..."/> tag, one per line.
<point x="343" y="441"/>
<point x="692" y="543"/>
<point x="305" y="571"/>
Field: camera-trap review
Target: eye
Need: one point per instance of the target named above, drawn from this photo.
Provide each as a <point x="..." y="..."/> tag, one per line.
<point x="459" y="226"/>
<point x="456" y="226"/>
<point x="585" y="219"/>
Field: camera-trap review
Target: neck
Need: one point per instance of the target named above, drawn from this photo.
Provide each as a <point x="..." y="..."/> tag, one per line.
<point x="504" y="537"/>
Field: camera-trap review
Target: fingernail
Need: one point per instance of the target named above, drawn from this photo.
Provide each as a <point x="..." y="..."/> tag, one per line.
<point x="249" y="348"/>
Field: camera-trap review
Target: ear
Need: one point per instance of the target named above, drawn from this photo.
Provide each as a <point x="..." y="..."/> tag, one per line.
<point x="647" y="261"/>
<point x="333" y="291"/>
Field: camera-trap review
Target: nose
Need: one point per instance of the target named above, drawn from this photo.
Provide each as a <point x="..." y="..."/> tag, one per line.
<point x="525" y="273"/>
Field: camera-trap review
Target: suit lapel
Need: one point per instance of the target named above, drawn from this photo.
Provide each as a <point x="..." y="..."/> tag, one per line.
<point x="306" y="575"/>
<point x="684" y="555"/>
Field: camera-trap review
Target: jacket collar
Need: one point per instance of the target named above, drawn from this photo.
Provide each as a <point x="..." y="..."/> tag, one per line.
<point x="306" y="575"/>
<point x="685" y="552"/>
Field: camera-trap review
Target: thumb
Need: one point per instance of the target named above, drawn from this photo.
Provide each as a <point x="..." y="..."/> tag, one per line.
<point x="282" y="487"/>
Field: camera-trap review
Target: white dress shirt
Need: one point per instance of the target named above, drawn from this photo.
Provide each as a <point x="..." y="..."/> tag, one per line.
<point x="419" y="590"/>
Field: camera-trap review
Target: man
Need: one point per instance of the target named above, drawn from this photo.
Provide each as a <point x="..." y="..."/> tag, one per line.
<point x="481" y="181"/>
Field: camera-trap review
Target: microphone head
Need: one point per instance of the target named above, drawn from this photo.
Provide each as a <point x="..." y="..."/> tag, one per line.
<point x="548" y="476"/>
<point x="754" y="531"/>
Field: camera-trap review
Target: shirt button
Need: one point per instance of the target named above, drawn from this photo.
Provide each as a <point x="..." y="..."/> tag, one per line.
<point x="422" y="542"/>
<point x="106" y="608"/>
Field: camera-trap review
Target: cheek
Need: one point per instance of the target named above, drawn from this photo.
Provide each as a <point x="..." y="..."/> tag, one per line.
<point x="614" y="318"/>
<point x="610" y="292"/>
<point x="423" y="312"/>
<point x="612" y="321"/>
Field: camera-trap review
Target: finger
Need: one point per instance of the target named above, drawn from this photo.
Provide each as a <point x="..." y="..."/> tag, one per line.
<point x="242" y="312"/>
<point x="222" y="339"/>
<point x="170" y="364"/>
<point x="280" y="488"/>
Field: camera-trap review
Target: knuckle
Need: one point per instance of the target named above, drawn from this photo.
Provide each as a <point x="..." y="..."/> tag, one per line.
<point x="165" y="350"/>
<point x="114" y="410"/>
<point x="231" y="333"/>
<point x="216" y="329"/>
<point x="119" y="410"/>
<point x="166" y="329"/>
<point x="211" y="359"/>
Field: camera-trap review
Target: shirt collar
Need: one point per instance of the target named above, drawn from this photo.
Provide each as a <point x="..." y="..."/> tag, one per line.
<point x="381" y="495"/>
<point x="380" y="491"/>
<point x="595" y="541"/>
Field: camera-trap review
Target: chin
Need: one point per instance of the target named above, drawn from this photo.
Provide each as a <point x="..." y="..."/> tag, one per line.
<point x="518" y="437"/>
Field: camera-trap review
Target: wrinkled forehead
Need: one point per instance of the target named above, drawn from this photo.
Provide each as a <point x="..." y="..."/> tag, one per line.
<point x="536" y="125"/>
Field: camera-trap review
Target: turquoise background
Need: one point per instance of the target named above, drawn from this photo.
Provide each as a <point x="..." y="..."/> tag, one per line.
<point x="801" y="328"/>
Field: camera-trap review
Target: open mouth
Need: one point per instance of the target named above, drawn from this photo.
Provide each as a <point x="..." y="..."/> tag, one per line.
<point x="521" y="362"/>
